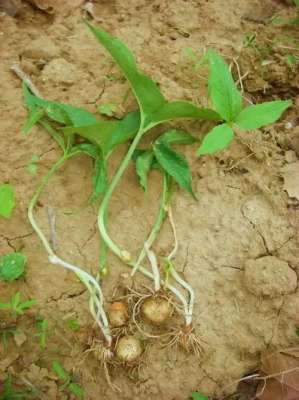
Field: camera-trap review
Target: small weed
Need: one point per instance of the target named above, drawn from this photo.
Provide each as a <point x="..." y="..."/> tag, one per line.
<point x="16" y="306"/>
<point x="6" y="333"/>
<point x="73" y="325"/>
<point x="32" y="166"/>
<point x="7" y="391"/>
<point x="7" y="200"/>
<point x="42" y="326"/>
<point x="12" y="266"/>
<point x="198" y="396"/>
<point x="67" y="381"/>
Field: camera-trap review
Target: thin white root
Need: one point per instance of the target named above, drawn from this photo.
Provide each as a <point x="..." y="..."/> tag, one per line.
<point x="176" y="276"/>
<point x="187" y="339"/>
<point x="25" y="78"/>
<point x="154" y="264"/>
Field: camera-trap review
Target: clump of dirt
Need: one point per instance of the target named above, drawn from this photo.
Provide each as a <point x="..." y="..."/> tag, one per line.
<point x="238" y="244"/>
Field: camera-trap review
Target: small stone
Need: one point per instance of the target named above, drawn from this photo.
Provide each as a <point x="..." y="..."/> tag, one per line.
<point x="60" y="71"/>
<point x="290" y="156"/>
<point x="19" y="338"/>
<point x="42" y="48"/>
<point x="269" y="276"/>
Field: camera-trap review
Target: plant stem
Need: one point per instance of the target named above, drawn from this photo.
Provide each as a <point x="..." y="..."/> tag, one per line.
<point x="154" y="264"/>
<point x="123" y="255"/>
<point x="96" y="302"/>
<point x="157" y="225"/>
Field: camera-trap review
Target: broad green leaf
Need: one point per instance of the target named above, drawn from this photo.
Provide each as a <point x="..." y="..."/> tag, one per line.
<point x="174" y="164"/>
<point x="108" y="134"/>
<point x="58" y="112"/>
<point x="217" y="139"/>
<point x="143" y="167"/>
<point x="7" y="200"/>
<point x="226" y="98"/>
<point x="12" y="266"/>
<point x="145" y="89"/>
<point x="76" y="390"/>
<point x="182" y="110"/>
<point x="60" y="371"/>
<point x="254" y="117"/>
<point x="198" y="396"/>
<point x="107" y="109"/>
<point x="99" y="179"/>
<point x="177" y="136"/>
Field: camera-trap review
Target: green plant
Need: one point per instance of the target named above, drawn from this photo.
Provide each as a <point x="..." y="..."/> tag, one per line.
<point x="6" y="333"/>
<point x="102" y="137"/>
<point x="67" y="381"/>
<point x="16" y="306"/>
<point x="73" y="324"/>
<point x="42" y="326"/>
<point x="32" y="166"/>
<point x="198" y="396"/>
<point x="227" y="101"/>
<point x="9" y="393"/>
<point x="7" y="200"/>
<point x="12" y="266"/>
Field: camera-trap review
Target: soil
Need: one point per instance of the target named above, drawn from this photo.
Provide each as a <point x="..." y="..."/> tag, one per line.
<point x="238" y="244"/>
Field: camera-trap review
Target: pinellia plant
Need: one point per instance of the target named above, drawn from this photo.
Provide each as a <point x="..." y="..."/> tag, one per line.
<point x="65" y="123"/>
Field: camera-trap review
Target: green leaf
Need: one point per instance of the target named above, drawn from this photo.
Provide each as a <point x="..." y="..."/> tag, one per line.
<point x="26" y="305"/>
<point x="226" y="98"/>
<point x="60" y="371"/>
<point x="107" y="109"/>
<point x="108" y="134"/>
<point x="99" y="179"/>
<point x="254" y="117"/>
<point x="63" y="113"/>
<point x="35" y="115"/>
<point x="12" y="266"/>
<point x="198" y="396"/>
<point x="182" y="110"/>
<point x="174" y="164"/>
<point x="76" y="390"/>
<point x="217" y="139"/>
<point x="73" y="324"/>
<point x="87" y="148"/>
<point x="143" y="167"/>
<point x="145" y="89"/>
<point x="7" y="200"/>
<point x="177" y="136"/>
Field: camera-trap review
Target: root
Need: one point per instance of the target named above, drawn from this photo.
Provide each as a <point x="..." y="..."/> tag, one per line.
<point x="105" y="356"/>
<point x="186" y="339"/>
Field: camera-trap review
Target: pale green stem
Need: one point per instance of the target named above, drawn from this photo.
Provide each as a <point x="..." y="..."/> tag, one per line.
<point x="87" y="279"/>
<point x="157" y="225"/>
<point x="104" y="204"/>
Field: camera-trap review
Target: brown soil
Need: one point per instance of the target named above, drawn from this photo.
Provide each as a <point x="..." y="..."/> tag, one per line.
<point x="243" y="213"/>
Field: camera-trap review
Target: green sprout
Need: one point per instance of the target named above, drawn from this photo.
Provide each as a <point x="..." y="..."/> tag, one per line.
<point x="7" y="200"/>
<point x="16" y="306"/>
<point x="67" y="381"/>
<point x="42" y="326"/>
